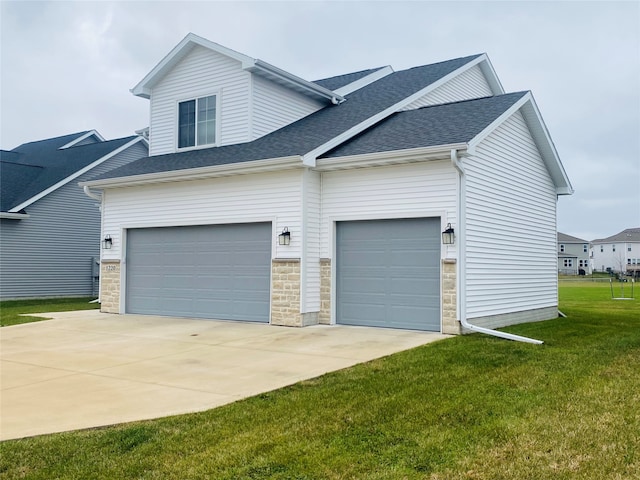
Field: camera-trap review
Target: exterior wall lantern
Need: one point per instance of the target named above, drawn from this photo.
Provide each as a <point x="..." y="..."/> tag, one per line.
<point x="285" y="237"/>
<point x="448" y="236"/>
<point x="107" y="243"/>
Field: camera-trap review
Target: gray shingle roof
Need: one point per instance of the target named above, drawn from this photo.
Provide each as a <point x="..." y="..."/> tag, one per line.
<point x="444" y="124"/>
<point x="564" y="238"/>
<point x="339" y="81"/>
<point x="628" y="235"/>
<point x="308" y="133"/>
<point x="33" y="167"/>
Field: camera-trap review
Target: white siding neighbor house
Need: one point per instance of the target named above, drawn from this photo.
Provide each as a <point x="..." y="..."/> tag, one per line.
<point x="50" y="230"/>
<point x="270" y="198"/>
<point x="573" y="255"/>
<point x="619" y="253"/>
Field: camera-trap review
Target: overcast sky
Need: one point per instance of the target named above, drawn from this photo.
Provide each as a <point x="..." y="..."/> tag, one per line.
<point x="68" y="67"/>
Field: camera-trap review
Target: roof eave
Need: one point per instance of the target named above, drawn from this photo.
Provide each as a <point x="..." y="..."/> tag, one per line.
<point x="212" y="171"/>
<point x="14" y="215"/>
<point x="394" y="157"/>
<point x="310" y="88"/>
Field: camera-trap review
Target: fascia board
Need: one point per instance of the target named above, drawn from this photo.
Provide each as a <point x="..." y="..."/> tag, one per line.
<point x="75" y="175"/>
<point x="289" y="78"/>
<point x="82" y="137"/>
<point x="255" y="166"/>
<point x="490" y="75"/>
<point x="540" y="136"/>
<point x="14" y="216"/>
<point x="143" y="88"/>
<point x="310" y="158"/>
<point x="364" y="81"/>
<point x="394" y="157"/>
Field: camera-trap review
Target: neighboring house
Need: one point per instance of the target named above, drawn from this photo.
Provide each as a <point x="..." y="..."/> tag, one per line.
<point x="270" y="198"/>
<point x="573" y="255"/>
<point x="619" y="253"/>
<point x="50" y="230"/>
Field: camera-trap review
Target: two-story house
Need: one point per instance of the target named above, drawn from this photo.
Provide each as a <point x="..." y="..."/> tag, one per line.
<point x="384" y="198"/>
<point x="50" y="230"/>
<point x="619" y="253"/>
<point x="573" y="255"/>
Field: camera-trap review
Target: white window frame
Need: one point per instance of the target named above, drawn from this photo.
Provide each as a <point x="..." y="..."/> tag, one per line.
<point x="216" y="143"/>
<point x="562" y="248"/>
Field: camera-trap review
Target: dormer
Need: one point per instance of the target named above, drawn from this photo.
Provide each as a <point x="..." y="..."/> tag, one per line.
<point x="205" y="95"/>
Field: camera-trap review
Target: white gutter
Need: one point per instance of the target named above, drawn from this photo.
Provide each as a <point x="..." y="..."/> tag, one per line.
<point x="462" y="263"/>
<point x="89" y="193"/>
<point x="14" y="216"/>
<point x="391" y="157"/>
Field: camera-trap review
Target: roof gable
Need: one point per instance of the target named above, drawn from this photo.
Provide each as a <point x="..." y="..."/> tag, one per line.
<point x="253" y="65"/>
<point x="527" y="106"/>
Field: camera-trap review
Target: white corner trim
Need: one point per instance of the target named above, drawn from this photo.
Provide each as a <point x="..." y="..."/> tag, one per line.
<point x="14" y="216"/>
<point x="75" y="175"/>
<point x="255" y="166"/>
<point x="364" y="81"/>
<point x="79" y="139"/>
<point x="310" y="158"/>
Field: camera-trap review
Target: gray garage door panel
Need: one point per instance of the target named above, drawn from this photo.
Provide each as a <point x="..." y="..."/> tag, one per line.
<point x="212" y="271"/>
<point x="388" y="273"/>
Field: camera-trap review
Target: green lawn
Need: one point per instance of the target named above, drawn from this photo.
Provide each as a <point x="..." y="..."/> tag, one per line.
<point x="12" y="312"/>
<point x="472" y="407"/>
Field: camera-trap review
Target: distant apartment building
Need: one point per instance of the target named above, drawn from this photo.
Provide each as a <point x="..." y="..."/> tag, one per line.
<point x="618" y="253"/>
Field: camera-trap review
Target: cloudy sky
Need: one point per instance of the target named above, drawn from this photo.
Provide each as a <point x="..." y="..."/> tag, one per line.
<point x="68" y="66"/>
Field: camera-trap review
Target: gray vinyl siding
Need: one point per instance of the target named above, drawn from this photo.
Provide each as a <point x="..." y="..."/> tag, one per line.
<point x="510" y="256"/>
<point x="51" y="252"/>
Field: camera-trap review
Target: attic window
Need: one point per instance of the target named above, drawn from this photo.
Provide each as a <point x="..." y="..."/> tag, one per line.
<point x="197" y="122"/>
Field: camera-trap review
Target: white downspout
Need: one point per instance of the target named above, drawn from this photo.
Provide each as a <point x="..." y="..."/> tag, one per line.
<point x="462" y="263"/>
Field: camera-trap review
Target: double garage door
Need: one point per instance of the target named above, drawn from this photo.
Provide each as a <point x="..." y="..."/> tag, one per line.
<point x="388" y="273"/>
<point x="211" y="271"/>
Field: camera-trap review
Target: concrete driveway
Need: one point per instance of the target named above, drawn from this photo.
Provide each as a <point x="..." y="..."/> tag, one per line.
<point x="88" y="369"/>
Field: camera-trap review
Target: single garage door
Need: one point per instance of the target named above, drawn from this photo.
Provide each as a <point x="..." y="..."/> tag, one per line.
<point x="388" y="273"/>
<point x="210" y="271"/>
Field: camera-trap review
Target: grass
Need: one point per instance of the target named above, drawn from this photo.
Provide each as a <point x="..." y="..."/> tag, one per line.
<point x="472" y="407"/>
<point x="13" y="312"/>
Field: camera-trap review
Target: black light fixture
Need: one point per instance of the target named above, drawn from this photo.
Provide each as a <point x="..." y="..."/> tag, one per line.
<point x="285" y="237"/>
<point x="107" y="242"/>
<point x="448" y="236"/>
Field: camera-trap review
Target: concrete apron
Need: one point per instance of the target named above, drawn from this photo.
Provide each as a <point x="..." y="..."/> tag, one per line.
<point x="89" y="369"/>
